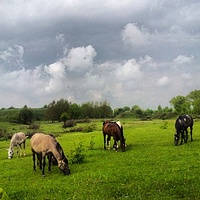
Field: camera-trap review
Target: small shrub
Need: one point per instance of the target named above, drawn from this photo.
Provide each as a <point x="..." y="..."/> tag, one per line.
<point x="92" y="143"/>
<point x="165" y="125"/>
<point x="77" y="155"/>
<point x="89" y="128"/>
<point x="34" y="126"/>
<point x="69" y="123"/>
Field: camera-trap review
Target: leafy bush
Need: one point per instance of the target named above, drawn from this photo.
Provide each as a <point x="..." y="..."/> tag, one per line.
<point x="69" y="123"/>
<point x="89" y="128"/>
<point x="92" y="143"/>
<point x="165" y="125"/>
<point x="34" y="126"/>
<point x="77" y="155"/>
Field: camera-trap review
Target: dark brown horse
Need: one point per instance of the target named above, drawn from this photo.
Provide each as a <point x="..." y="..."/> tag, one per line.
<point x="113" y="129"/>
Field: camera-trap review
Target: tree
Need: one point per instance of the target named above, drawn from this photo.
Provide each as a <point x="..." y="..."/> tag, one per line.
<point x="194" y="98"/>
<point x="196" y="106"/>
<point x="64" y="117"/>
<point x="50" y="114"/>
<point x="55" y="109"/>
<point x="25" y="115"/>
<point x="137" y="111"/>
<point x="181" y="104"/>
<point x="159" y="108"/>
<point x="75" y="111"/>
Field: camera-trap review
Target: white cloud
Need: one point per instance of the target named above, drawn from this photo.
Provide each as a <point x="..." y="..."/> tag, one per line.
<point x="135" y="36"/>
<point x="57" y="75"/>
<point x="182" y="59"/>
<point x="94" y="81"/>
<point x="80" y="58"/>
<point x="140" y="44"/>
<point x="164" y="81"/>
<point x="13" y="55"/>
<point x="130" y="70"/>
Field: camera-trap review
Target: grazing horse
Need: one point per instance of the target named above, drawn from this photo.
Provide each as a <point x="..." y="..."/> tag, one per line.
<point x="45" y="145"/>
<point x="18" y="140"/>
<point x="112" y="129"/>
<point x="181" y="125"/>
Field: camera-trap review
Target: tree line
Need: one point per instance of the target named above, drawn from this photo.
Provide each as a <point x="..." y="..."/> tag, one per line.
<point x="63" y="110"/>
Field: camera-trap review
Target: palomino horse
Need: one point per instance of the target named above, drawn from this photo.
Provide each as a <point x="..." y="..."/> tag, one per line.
<point x="113" y="129"/>
<point x="181" y="125"/>
<point x="18" y="140"/>
<point x="45" y="145"/>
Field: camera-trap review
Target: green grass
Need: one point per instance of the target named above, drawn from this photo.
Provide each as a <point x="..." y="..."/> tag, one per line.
<point x="150" y="168"/>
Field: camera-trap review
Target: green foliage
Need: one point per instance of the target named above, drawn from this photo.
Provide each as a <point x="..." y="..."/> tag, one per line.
<point x="3" y="195"/>
<point x="165" y="125"/>
<point x="89" y="128"/>
<point x="34" y="126"/>
<point x="92" y="143"/>
<point x="77" y="155"/>
<point x="64" y="117"/>
<point x="150" y="168"/>
<point x="69" y="123"/>
<point x="25" y="115"/>
<point x="181" y="104"/>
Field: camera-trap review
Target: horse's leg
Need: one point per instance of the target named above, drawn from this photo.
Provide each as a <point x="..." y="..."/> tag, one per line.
<point x="104" y="140"/>
<point x="108" y="142"/>
<point x="186" y="139"/>
<point x="39" y="160"/>
<point x="19" y="150"/>
<point x="24" y="146"/>
<point x="33" y="160"/>
<point x="49" y="159"/>
<point x="191" y="128"/>
<point x="115" y="144"/>
<point x="182" y="136"/>
<point x="43" y="166"/>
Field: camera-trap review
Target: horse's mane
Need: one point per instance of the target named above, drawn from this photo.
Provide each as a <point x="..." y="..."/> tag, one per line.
<point x="60" y="150"/>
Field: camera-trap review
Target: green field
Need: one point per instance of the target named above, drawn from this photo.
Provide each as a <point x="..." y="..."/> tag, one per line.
<point x="150" y="168"/>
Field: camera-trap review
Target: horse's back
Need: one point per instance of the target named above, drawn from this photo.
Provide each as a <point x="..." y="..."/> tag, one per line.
<point x="184" y="121"/>
<point x="110" y="128"/>
<point x="41" y="142"/>
<point x="18" y="138"/>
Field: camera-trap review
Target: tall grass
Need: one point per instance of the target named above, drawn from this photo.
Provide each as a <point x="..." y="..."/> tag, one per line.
<point x="150" y="168"/>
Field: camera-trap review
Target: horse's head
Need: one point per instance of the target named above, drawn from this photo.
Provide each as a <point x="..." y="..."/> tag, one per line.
<point x="63" y="166"/>
<point x="176" y="139"/>
<point x="10" y="153"/>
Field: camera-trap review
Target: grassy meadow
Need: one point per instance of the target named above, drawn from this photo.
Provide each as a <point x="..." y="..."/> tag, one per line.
<point x="150" y="168"/>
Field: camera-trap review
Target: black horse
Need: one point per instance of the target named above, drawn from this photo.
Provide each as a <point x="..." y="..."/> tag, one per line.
<point x="181" y="125"/>
<point x="113" y="129"/>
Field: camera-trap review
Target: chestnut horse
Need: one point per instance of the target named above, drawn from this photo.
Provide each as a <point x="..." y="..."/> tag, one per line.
<point x="45" y="145"/>
<point x="115" y="130"/>
<point x="181" y="125"/>
<point x="18" y="140"/>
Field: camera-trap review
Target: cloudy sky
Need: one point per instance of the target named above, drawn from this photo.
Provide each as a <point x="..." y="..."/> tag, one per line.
<point x="130" y="52"/>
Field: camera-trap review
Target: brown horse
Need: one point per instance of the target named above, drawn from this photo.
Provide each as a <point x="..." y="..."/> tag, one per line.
<point x="113" y="129"/>
<point x="45" y="145"/>
<point x="18" y="140"/>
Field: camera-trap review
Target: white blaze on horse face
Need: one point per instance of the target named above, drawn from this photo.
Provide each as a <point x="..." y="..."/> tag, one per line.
<point x="10" y="153"/>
